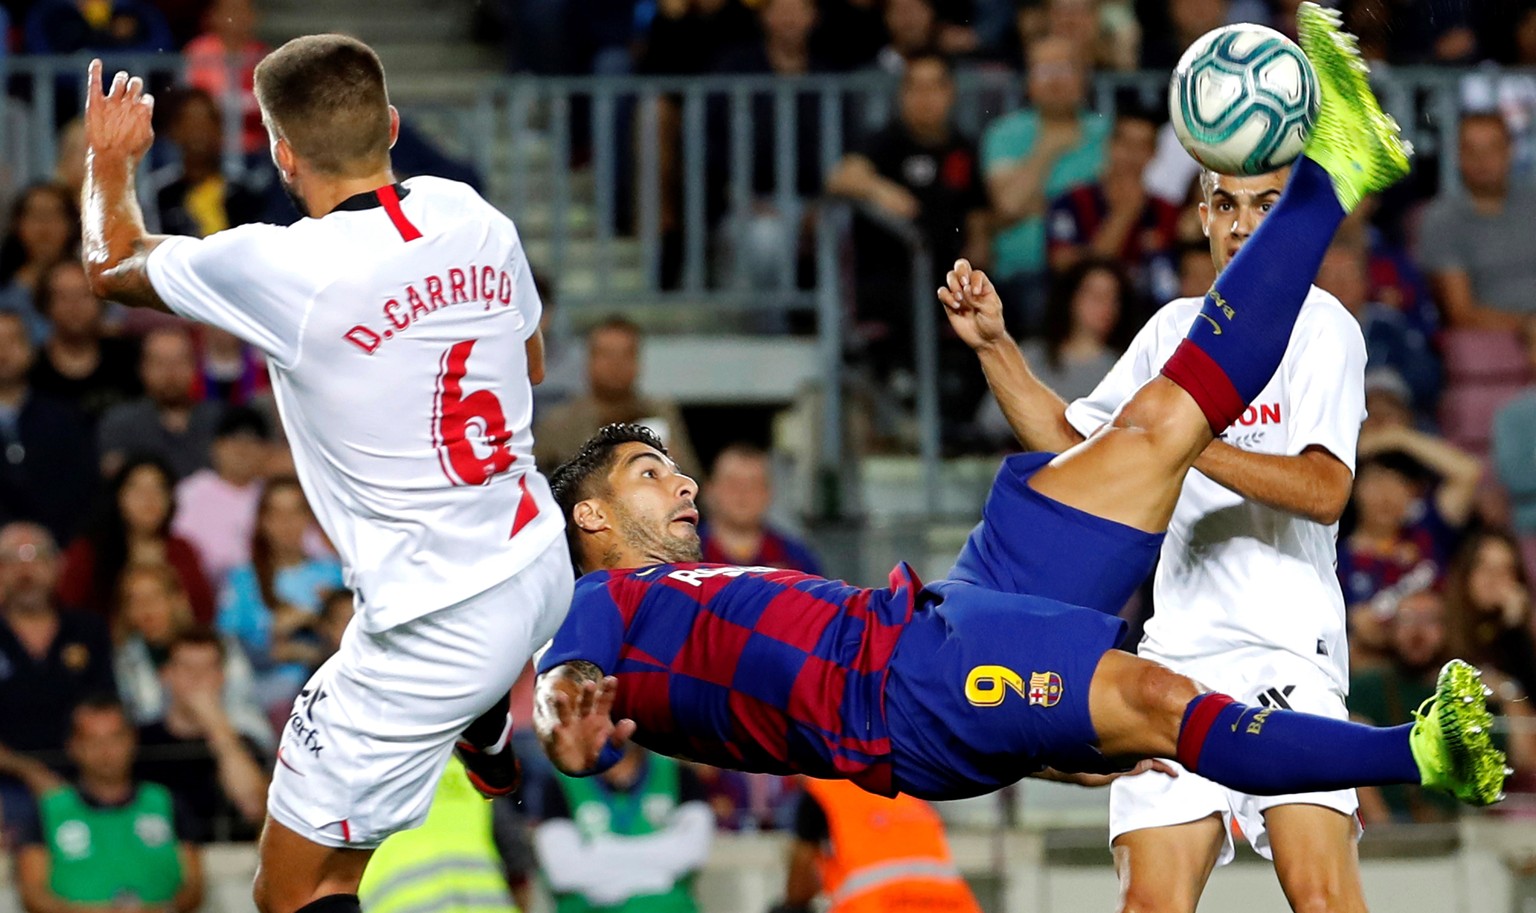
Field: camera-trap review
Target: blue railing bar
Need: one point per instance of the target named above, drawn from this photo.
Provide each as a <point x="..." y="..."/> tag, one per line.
<point x="650" y="187"/>
<point x="695" y="221"/>
<point x="831" y="217"/>
<point x="786" y="128"/>
<point x="560" y="173"/>
<point x="741" y="172"/>
<point x="604" y="172"/>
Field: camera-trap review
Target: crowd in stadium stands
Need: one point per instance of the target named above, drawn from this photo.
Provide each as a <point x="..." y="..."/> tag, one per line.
<point x="164" y="591"/>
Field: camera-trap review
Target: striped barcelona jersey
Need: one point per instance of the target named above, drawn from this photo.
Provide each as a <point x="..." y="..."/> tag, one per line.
<point x="751" y="668"/>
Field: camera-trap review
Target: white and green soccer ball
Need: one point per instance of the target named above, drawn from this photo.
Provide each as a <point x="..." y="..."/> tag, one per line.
<point x="1243" y="99"/>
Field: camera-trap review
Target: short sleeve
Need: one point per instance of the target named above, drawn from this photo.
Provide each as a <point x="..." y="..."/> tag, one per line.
<point x="593" y="631"/>
<point x="1133" y="369"/>
<point x="239" y="281"/>
<point x="526" y="291"/>
<point x="1007" y="140"/>
<point x="1326" y="385"/>
<point x="1440" y="246"/>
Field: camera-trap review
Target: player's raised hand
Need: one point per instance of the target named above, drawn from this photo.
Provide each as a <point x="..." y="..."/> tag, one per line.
<point x="118" y="123"/>
<point x="584" y="726"/>
<point x="971" y="303"/>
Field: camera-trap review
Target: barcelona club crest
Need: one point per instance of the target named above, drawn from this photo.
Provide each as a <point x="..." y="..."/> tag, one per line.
<point x="1044" y="689"/>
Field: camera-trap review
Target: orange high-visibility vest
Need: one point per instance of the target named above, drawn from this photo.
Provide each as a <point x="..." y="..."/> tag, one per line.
<point x="887" y="854"/>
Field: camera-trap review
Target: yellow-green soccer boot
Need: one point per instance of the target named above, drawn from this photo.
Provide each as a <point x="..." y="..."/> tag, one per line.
<point x="1354" y="141"/>
<point x="1452" y="739"/>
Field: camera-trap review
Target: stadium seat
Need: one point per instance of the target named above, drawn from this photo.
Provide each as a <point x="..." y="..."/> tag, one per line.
<point x="1467" y="410"/>
<point x="1485" y="356"/>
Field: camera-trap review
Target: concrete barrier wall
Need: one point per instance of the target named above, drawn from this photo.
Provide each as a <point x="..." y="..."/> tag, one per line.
<point x="1476" y="869"/>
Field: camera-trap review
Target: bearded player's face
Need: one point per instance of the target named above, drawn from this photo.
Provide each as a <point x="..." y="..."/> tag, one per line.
<point x="651" y="505"/>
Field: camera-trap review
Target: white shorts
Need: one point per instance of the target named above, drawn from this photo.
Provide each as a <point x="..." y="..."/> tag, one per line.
<point x="370" y="734"/>
<point x="1270" y="679"/>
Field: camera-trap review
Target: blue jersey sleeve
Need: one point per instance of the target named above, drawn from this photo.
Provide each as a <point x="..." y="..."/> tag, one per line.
<point x="593" y="631"/>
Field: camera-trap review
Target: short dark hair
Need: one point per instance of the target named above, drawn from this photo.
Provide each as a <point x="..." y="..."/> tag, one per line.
<point x="199" y="635"/>
<point x="928" y="55"/>
<point x="1399" y="463"/>
<point x="616" y="322"/>
<point x="175" y="102"/>
<point x="42" y="296"/>
<point x="325" y="95"/>
<point x="578" y="478"/>
<point x="99" y="702"/>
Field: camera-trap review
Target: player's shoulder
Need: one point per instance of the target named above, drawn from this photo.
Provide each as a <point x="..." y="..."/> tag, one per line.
<point x="1322" y="313"/>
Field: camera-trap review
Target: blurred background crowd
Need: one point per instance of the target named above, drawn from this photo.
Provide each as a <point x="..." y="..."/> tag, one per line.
<point x="164" y="591"/>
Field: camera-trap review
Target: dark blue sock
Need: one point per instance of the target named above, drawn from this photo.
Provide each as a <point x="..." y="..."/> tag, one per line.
<point x="1236" y="345"/>
<point x="1276" y="752"/>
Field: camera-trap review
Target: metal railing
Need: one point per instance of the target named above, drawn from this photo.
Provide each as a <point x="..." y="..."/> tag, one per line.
<point x="689" y="201"/>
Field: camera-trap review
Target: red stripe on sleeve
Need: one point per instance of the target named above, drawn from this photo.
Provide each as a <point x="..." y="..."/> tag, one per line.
<point x="391" y="200"/>
<point x="1197" y="725"/>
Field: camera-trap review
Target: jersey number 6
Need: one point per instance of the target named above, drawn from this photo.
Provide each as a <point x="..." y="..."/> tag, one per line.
<point x="469" y="431"/>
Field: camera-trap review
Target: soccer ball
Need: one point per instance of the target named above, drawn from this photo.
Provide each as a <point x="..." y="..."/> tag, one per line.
<point x="1243" y="99"/>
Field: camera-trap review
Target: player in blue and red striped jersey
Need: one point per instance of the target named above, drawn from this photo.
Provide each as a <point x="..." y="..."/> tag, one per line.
<point x="966" y="685"/>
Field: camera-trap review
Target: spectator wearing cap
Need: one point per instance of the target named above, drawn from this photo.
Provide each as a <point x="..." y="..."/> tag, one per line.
<point x="80" y="363"/>
<point x="216" y="507"/>
<point x="167" y="422"/>
<point x="47" y="466"/>
<point x="737" y="500"/>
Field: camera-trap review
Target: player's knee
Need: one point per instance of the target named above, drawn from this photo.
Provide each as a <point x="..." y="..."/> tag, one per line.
<point x="1322" y="895"/>
<point x="1163" y="415"/>
<point x="1134" y="899"/>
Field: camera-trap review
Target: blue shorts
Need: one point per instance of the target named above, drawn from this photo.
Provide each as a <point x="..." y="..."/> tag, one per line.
<point x="1029" y="544"/>
<point x="987" y="687"/>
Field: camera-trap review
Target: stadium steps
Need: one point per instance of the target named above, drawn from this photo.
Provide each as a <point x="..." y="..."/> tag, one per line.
<point x="428" y="58"/>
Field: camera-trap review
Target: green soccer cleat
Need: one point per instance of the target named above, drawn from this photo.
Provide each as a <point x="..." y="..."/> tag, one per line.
<point x="1451" y="739"/>
<point x="1354" y="141"/>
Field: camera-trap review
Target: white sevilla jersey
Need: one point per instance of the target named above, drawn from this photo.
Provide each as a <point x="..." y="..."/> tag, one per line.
<point x="395" y="329"/>
<point x="1233" y="573"/>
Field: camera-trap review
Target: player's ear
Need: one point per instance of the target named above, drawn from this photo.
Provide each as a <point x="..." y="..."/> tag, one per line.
<point x="1205" y="218"/>
<point x="394" y="126"/>
<point x="283" y="157"/>
<point x="589" y="517"/>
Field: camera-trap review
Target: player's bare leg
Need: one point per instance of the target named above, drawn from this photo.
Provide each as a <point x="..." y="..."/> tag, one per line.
<point x="1164" y="869"/>
<point x="1316" y="858"/>
<point x="293" y="872"/>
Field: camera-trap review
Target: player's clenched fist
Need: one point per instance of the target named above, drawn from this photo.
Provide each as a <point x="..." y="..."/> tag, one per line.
<point x="972" y="305"/>
<point x="118" y="123"/>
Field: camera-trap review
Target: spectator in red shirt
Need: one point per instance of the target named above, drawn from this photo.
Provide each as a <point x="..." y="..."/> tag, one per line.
<point x="224" y="58"/>
<point x="738" y="496"/>
<point x="1116" y="218"/>
<point x="133" y="528"/>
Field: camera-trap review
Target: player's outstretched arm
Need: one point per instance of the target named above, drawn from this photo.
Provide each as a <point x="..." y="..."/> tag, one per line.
<point x="572" y="708"/>
<point x="1097" y="780"/>
<point x="114" y="243"/>
<point x="1036" y="414"/>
